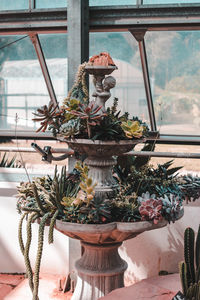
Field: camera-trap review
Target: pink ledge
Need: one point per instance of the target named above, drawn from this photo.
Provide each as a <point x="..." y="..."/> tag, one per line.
<point x="157" y="288"/>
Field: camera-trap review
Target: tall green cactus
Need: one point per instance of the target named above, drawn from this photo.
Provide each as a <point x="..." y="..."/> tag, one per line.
<point x="190" y="268"/>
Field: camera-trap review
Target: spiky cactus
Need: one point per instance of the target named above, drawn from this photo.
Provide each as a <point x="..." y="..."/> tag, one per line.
<point x="190" y="268"/>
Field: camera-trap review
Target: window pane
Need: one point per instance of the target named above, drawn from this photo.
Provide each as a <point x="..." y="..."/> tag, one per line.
<point x="169" y="1"/>
<point x="111" y="2"/>
<point x="22" y="86"/>
<point x="30" y="158"/>
<point x="190" y="165"/>
<point x="12" y="5"/>
<point x="51" y="4"/>
<point x="54" y="47"/>
<point x="174" y="71"/>
<point x="130" y="85"/>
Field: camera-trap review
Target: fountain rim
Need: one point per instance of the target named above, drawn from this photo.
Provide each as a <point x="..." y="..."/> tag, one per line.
<point x="121" y="226"/>
<point x="101" y="142"/>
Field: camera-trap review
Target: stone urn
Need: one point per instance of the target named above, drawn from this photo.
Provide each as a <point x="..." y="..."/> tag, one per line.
<point x="101" y="269"/>
<point x="101" y="157"/>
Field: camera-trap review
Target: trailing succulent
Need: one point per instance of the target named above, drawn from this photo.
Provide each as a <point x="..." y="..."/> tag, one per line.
<point x="41" y="200"/>
<point x="189" y="269"/>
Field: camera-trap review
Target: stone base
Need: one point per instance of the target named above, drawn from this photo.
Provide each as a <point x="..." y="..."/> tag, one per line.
<point x="100" y="270"/>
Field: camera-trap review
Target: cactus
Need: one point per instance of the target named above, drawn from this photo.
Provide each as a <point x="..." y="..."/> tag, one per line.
<point x="190" y="268"/>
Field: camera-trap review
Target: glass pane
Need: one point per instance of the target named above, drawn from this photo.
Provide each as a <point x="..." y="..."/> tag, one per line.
<point x="12" y="5"/>
<point x="190" y="165"/>
<point x="22" y="86"/>
<point x="51" y="4"/>
<point x="54" y="47"/>
<point x="129" y="89"/>
<point x="30" y="158"/>
<point x="169" y="1"/>
<point x="111" y="2"/>
<point x="174" y="72"/>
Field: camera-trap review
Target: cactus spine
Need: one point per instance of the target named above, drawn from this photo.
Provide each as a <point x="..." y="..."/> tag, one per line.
<point x="190" y="268"/>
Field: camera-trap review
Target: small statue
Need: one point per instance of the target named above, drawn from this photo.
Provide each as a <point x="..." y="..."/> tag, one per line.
<point x="102" y="92"/>
<point x="99" y="66"/>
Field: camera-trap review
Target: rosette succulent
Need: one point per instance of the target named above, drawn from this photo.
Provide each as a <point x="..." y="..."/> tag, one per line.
<point x="71" y="128"/>
<point x="132" y="129"/>
<point x="172" y="205"/>
<point x="150" y="208"/>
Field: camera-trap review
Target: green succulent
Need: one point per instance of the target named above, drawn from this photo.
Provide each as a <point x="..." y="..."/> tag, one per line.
<point x="132" y="129"/>
<point x="108" y="129"/>
<point x="172" y="205"/>
<point x="190" y="185"/>
<point x="125" y="206"/>
<point x="71" y="128"/>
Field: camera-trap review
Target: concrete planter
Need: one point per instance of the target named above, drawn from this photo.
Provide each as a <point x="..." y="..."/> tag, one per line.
<point x="101" y="269"/>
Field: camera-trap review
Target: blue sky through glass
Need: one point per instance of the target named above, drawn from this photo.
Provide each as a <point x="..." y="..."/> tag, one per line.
<point x="12" y="5"/>
<point x="111" y="2"/>
<point x="50" y="3"/>
<point x="169" y="1"/>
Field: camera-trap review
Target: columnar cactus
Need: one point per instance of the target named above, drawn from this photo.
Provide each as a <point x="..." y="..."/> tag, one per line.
<point x="190" y="268"/>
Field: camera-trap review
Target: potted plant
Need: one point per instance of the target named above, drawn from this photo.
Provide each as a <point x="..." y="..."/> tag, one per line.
<point x="107" y="198"/>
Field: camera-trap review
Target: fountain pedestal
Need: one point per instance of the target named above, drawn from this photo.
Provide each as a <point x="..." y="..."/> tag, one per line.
<point x="101" y="159"/>
<point x="101" y="269"/>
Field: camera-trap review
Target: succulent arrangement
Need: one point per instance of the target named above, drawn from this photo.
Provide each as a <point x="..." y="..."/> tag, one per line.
<point x="190" y="267"/>
<point x="144" y="193"/>
<point x="71" y="198"/>
<point x="80" y="118"/>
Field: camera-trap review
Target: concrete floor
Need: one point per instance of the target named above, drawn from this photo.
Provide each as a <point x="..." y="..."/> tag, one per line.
<point x="8" y="283"/>
<point x="15" y="287"/>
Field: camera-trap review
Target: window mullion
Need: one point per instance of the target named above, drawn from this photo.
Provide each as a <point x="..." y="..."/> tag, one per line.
<point x="36" y="42"/>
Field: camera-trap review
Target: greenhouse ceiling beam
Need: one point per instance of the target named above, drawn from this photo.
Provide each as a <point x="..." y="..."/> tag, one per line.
<point x="150" y="17"/>
<point x="35" y="20"/>
<point x="111" y="18"/>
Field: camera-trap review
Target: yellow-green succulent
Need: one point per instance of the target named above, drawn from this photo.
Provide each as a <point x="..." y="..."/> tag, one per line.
<point x="132" y="129"/>
<point x="87" y="192"/>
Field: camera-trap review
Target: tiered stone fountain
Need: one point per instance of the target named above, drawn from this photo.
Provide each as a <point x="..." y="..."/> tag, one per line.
<point x="101" y="269"/>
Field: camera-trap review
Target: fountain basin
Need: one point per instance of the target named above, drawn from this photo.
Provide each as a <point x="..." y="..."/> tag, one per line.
<point x="115" y="232"/>
<point x="100" y="148"/>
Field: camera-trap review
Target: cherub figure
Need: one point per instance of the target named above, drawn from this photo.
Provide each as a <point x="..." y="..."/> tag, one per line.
<point x="102" y="92"/>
